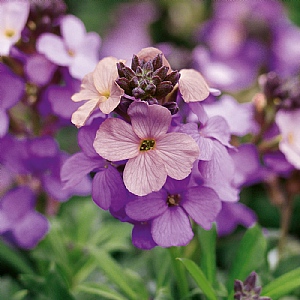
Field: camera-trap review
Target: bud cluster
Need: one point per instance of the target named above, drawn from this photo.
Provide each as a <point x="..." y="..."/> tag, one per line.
<point x="148" y="81"/>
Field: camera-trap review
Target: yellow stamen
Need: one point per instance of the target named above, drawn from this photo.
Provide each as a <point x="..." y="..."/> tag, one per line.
<point x="9" y="33"/>
<point x="290" y="138"/>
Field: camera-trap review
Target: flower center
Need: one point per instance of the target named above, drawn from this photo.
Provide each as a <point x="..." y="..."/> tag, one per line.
<point x="147" y="145"/>
<point x="173" y="200"/>
<point x="9" y="33"/>
<point x="290" y="138"/>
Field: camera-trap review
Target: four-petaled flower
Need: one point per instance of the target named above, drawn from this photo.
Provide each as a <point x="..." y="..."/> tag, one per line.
<point x="152" y="153"/>
<point x="100" y="89"/>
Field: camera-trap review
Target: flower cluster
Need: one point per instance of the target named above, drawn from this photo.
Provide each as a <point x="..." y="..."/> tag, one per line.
<point x="151" y="167"/>
<point x="40" y="67"/>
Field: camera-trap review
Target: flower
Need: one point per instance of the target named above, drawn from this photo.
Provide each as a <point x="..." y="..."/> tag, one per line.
<point x="13" y="16"/>
<point x="288" y="123"/>
<point x="153" y="153"/>
<point x="12" y="89"/>
<point x="100" y="89"/>
<point x="19" y="222"/>
<point x="77" y="51"/>
<point x="170" y="208"/>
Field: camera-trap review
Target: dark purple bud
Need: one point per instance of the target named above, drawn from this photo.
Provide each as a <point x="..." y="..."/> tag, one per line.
<point x="173" y="77"/>
<point x="156" y="80"/>
<point x="148" y="67"/>
<point x="134" y="82"/>
<point x="124" y="84"/>
<point x="120" y="67"/>
<point x="124" y="103"/>
<point x="138" y="93"/>
<point x="163" y="89"/>
<point x="157" y="62"/>
<point x="129" y="74"/>
<point x="139" y="71"/>
<point x="172" y="107"/>
<point x="161" y="72"/>
<point x="150" y="89"/>
<point x="135" y="63"/>
<point x="249" y="283"/>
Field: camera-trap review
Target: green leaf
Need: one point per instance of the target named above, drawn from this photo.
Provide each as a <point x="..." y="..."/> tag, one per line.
<point x="199" y="278"/>
<point x="207" y="239"/>
<point x="100" y="290"/>
<point x="282" y="285"/>
<point x="14" y="259"/>
<point x="249" y="257"/>
<point x="118" y="275"/>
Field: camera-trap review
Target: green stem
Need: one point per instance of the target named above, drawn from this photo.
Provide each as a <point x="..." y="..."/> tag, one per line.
<point x="180" y="272"/>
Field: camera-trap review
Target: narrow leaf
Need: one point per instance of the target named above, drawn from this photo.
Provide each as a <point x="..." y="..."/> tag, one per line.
<point x="207" y="239"/>
<point x="100" y="290"/>
<point x="199" y="278"/>
<point x="282" y="285"/>
<point x="115" y="273"/>
<point x="250" y="256"/>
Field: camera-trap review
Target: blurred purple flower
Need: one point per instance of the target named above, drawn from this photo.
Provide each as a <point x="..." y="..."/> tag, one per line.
<point x="79" y="52"/>
<point x="232" y="215"/>
<point x="13" y="16"/>
<point x="20" y="224"/>
<point x="289" y="124"/>
<point x="239" y="116"/>
<point x="12" y="89"/>
<point x="38" y="69"/>
<point x="131" y="30"/>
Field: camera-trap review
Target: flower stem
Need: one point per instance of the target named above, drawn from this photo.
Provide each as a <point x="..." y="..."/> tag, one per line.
<point x="180" y="272"/>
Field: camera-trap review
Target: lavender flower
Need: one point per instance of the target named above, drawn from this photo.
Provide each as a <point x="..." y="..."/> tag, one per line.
<point x="20" y="224"/>
<point x="78" y="52"/>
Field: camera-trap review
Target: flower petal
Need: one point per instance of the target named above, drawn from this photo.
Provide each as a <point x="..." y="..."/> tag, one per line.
<point x="172" y="228"/>
<point x="76" y="167"/>
<point x="69" y="25"/>
<point x="150" y="52"/>
<point x="144" y="174"/>
<point x="31" y="230"/>
<point x="217" y="127"/>
<point x="105" y="74"/>
<point x="53" y="47"/>
<point x="107" y="187"/>
<point x="192" y="86"/>
<point x="147" y="207"/>
<point x="202" y="204"/>
<point x="178" y="152"/>
<point x="149" y="121"/>
<point x="141" y="236"/>
<point x="115" y="140"/>
<point x="80" y="116"/>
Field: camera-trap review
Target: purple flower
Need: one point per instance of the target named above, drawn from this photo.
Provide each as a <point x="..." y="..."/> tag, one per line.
<point x="38" y="69"/>
<point x="12" y="89"/>
<point x="13" y="16"/>
<point x="19" y="222"/>
<point x="239" y="116"/>
<point x="232" y="215"/>
<point x="131" y="29"/>
<point x="108" y="190"/>
<point x="289" y="124"/>
<point x="170" y="208"/>
<point x="77" y="51"/>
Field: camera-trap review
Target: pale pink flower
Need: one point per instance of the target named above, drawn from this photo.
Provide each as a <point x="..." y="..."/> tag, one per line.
<point x="289" y="124"/>
<point x="13" y="17"/>
<point x="192" y="85"/>
<point x="152" y="153"/>
<point x="100" y="89"/>
<point x="76" y="49"/>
